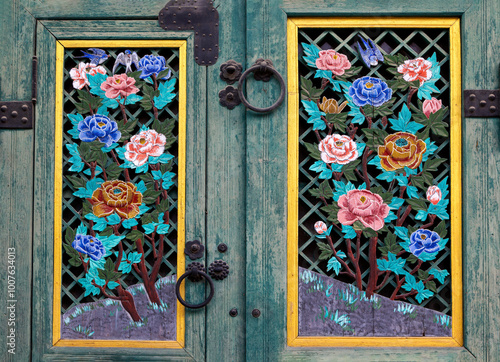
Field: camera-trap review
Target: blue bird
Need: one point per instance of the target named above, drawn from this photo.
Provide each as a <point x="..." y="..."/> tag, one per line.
<point x="370" y="53"/>
<point x="126" y="58"/>
<point x="95" y="55"/>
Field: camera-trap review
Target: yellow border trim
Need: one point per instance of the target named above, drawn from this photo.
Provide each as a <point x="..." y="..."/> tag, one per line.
<point x="293" y="339"/>
<point x="181" y="201"/>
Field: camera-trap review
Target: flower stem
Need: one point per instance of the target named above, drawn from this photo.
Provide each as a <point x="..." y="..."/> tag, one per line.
<point x="124" y="114"/>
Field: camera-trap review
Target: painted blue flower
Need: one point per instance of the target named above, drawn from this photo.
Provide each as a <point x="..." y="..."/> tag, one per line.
<point x="150" y="64"/>
<point x="424" y="240"/>
<point x="99" y="127"/>
<point x="369" y="90"/>
<point x="89" y="245"/>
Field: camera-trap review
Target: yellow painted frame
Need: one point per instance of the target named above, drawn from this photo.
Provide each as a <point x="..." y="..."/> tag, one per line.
<point x="453" y="24"/>
<point x="181" y="201"/>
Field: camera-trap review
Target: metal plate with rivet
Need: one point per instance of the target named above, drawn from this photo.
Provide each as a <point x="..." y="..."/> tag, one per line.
<point x="199" y="16"/>
<point x="482" y="103"/>
<point x="16" y="115"/>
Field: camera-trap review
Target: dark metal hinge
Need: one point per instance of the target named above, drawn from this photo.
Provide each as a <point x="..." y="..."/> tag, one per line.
<point x="20" y="114"/>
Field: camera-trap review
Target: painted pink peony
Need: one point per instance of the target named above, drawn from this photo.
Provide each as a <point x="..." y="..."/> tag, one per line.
<point x="416" y="69"/>
<point x="119" y="85"/>
<point x="320" y="227"/>
<point x="362" y="205"/>
<point x="79" y="75"/>
<point x="338" y="149"/>
<point x="145" y="144"/>
<point x="431" y="106"/>
<point x="334" y="61"/>
<point x="434" y="194"/>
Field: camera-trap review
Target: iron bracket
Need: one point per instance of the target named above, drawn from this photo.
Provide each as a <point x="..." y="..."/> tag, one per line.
<point x="199" y="16"/>
<point x="482" y="103"/>
<point x="20" y="114"/>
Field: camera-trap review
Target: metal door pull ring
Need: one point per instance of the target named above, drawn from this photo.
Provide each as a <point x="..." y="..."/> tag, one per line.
<point x="178" y="286"/>
<point x="262" y="66"/>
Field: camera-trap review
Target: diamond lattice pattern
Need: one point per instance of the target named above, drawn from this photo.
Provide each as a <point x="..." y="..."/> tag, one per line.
<point x="412" y="43"/>
<point x="72" y="292"/>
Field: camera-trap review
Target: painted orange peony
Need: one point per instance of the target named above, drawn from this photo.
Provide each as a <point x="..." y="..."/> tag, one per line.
<point x="116" y="196"/>
<point x="401" y="150"/>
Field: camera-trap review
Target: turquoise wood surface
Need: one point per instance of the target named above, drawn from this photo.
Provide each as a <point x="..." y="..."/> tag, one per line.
<point x="236" y="178"/>
<point x="16" y="179"/>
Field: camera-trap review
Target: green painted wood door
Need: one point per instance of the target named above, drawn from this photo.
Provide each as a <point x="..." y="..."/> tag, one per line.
<point x="236" y="189"/>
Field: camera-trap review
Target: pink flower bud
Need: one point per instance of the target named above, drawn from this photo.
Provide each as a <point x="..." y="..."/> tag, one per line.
<point x="431" y="106"/>
<point x="434" y="194"/>
<point x="320" y="227"/>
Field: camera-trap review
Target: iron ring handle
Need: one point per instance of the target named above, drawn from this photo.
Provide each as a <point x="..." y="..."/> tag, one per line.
<point x="178" y="286"/>
<point x="261" y="66"/>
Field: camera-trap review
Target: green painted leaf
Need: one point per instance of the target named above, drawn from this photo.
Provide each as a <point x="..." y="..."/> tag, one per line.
<point x="417" y="204"/>
<point x="422" y="275"/>
<point x="313" y="150"/>
<point x="431" y="285"/>
<point x="348" y="170"/>
<point x="441" y="229"/>
<point x="134" y="235"/>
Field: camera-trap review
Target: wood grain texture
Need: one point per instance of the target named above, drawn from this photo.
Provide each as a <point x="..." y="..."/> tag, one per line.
<point x="476" y="150"/>
<point x="16" y="177"/>
<point x="94" y="9"/>
<point x="266" y="187"/>
<point x="43" y="220"/>
<point x="492" y="237"/>
<point x="114" y="29"/>
<point x="369" y="8"/>
<point x="226" y="194"/>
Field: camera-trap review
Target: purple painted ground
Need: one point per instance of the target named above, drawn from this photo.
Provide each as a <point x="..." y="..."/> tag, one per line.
<point x="106" y="319"/>
<point x="323" y="311"/>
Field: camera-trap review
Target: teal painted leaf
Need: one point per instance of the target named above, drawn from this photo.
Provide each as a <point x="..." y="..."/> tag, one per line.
<point x="129" y="223"/>
<point x="439" y="274"/>
<point x="392" y="263"/>
<point x="77" y="164"/>
<point x="89" y="189"/>
<point x="334" y="264"/>
<point x="82" y="229"/>
<point x="396" y="203"/>
<point x="167" y="93"/>
<point x="349" y="232"/>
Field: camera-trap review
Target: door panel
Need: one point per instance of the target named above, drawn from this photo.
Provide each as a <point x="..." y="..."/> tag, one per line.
<point x="236" y="186"/>
<point x="194" y="216"/>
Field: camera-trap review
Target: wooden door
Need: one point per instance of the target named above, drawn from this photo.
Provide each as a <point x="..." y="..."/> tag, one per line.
<point x="280" y="170"/>
<point x="238" y="178"/>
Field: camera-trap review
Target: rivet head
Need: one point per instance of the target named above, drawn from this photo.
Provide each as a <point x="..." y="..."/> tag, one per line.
<point x="222" y="247"/>
<point x="24" y="120"/>
<point x="482" y="103"/>
<point x="493" y="109"/>
<point x="472" y="109"/>
<point x="233" y="312"/>
<point x="472" y="97"/>
<point x="4" y="108"/>
<point x="256" y="313"/>
<point x="14" y="114"/>
<point x="3" y="119"/>
<point x="491" y="97"/>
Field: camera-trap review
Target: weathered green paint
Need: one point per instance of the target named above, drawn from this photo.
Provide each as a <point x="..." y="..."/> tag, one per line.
<point x="236" y="178"/>
<point x="16" y="177"/>
<point x="225" y="187"/>
<point x="43" y="219"/>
